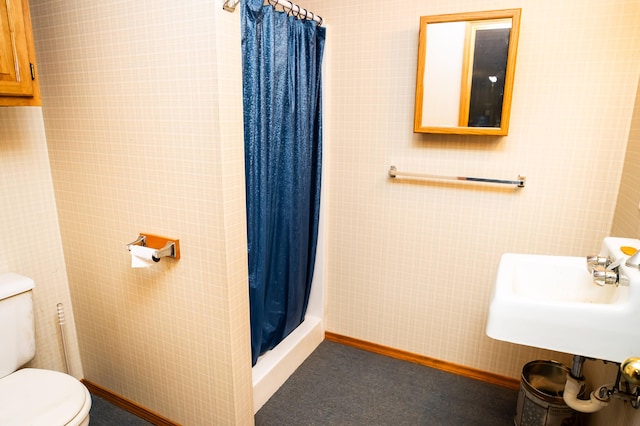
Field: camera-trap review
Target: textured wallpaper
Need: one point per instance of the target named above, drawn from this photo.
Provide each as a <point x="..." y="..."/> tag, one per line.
<point x="412" y="264"/>
<point x="143" y="117"/>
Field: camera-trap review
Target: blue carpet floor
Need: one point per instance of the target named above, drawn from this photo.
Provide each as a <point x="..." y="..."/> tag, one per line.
<point x="341" y="385"/>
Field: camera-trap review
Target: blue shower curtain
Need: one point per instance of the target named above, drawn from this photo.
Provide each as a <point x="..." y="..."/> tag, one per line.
<point x="281" y="58"/>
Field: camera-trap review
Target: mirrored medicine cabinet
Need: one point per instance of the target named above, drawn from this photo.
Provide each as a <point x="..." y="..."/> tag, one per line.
<point x="466" y="67"/>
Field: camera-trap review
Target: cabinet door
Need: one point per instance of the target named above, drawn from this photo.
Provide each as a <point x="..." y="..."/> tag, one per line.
<point x="15" y="67"/>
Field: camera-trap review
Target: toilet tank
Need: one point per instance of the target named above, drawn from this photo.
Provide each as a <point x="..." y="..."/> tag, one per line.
<point x="17" y="336"/>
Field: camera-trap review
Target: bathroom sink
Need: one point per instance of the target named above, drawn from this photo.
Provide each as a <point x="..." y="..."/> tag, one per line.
<point x="551" y="302"/>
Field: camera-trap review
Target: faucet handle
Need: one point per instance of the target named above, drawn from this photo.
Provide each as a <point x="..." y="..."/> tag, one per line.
<point x="634" y="261"/>
<point x="602" y="276"/>
<point x="596" y="260"/>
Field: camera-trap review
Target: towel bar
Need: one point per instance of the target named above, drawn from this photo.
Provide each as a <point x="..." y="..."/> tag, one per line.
<point x="393" y="172"/>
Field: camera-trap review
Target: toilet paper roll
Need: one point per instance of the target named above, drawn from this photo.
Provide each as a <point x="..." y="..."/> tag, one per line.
<point x="141" y="257"/>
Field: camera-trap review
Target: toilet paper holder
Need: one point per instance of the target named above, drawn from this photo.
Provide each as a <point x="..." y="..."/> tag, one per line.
<point x="165" y="247"/>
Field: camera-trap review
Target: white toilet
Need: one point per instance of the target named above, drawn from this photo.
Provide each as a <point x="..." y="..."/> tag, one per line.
<point x="31" y="396"/>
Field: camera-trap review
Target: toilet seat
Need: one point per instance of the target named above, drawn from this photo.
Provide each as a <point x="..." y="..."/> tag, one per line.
<point x="43" y="398"/>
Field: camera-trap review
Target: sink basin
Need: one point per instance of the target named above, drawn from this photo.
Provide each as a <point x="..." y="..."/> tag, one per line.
<point x="551" y="302"/>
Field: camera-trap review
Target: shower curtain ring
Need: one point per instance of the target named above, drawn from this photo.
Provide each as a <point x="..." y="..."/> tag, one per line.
<point x="305" y="13"/>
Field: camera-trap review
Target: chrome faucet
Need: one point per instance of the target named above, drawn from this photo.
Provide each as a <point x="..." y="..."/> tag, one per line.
<point x="634" y="261"/>
<point x="603" y="270"/>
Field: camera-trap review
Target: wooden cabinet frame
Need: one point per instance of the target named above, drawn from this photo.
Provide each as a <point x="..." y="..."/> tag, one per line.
<point x="18" y="79"/>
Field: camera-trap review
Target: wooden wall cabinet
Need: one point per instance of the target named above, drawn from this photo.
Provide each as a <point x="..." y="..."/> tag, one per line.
<point x="18" y="77"/>
<point x="466" y="68"/>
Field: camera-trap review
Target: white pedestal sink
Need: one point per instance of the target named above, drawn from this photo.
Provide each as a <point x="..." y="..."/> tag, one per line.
<point x="551" y="302"/>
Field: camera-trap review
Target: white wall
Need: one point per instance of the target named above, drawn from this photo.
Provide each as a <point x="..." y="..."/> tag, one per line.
<point x="142" y="107"/>
<point x="411" y="265"/>
<point x="30" y="242"/>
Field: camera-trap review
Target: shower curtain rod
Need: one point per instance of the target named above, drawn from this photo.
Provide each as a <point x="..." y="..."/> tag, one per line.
<point x="293" y="9"/>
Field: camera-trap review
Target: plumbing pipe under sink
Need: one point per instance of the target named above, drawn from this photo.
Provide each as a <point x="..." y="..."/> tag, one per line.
<point x="572" y="389"/>
<point x="629" y="370"/>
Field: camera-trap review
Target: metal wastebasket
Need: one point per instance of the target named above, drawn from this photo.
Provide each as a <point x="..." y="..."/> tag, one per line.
<point x="540" y="400"/>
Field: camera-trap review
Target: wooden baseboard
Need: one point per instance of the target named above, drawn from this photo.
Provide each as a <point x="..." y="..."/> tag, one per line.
<point x="128" y="405"/>
<point x="506" y="382"/>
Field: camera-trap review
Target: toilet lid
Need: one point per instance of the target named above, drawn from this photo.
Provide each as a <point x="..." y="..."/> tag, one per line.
<point x="40" y="397"/>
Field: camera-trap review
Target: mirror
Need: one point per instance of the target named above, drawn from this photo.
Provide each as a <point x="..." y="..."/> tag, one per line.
<point x="466" y="65"/>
